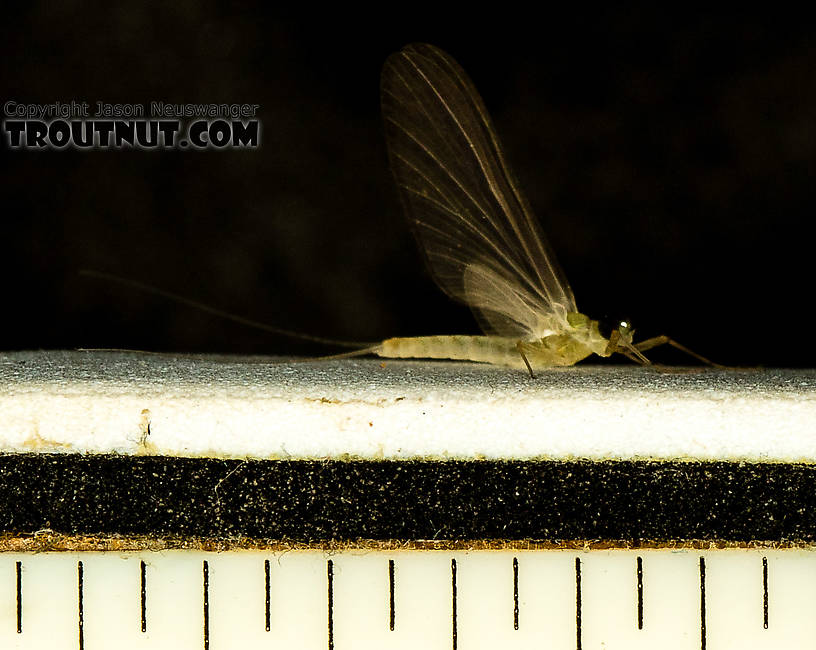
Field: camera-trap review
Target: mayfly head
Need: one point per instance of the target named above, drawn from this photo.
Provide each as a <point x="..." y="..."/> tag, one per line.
<point x="606" y="326"/>
<point x="625" y="333"/>
<point x="620" y="337"/>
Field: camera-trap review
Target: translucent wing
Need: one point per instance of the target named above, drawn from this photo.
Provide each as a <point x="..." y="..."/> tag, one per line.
<point x="481" y="240"/>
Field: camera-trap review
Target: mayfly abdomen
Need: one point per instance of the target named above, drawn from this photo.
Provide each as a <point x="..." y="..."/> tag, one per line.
<point x="485" y="349"/>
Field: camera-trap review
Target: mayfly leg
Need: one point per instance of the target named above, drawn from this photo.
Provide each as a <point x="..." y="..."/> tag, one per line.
<point x="520" y="348"/>
<point x="643" y="361"/>
<point x="631" y="352"/>
<point x="656" y="341"/>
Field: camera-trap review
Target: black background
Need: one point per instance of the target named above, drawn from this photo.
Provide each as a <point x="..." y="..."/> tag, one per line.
<point x="669" y="158"/>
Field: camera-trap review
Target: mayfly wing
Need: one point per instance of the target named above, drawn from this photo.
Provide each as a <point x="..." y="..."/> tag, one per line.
<point x="481" y="240"/>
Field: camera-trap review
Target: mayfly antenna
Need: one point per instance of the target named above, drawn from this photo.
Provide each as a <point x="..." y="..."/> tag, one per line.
<point x="200" y="306"/>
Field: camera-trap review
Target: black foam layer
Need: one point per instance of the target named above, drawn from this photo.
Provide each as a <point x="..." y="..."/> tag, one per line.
<point x="313" y="501"/>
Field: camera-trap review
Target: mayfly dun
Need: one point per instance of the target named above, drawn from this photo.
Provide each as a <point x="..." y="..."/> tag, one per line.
<point x="477" y="231"/>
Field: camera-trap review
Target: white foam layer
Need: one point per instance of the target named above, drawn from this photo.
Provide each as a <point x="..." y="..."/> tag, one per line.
<point x="134" y="403"/>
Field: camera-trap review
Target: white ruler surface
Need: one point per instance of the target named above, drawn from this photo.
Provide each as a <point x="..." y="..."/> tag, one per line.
<point x="122" y="426"/>
<point x="649" y="598"/>
<point x="130" y="403"/>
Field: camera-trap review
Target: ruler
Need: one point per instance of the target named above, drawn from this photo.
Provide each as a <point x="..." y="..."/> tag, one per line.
<point x="149" y="502"/>
<point x="646" y="598"/>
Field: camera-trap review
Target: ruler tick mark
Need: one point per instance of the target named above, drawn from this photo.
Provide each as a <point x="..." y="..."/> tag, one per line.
<point x="578" y="603"/>
<point x="391" y="614"/>
<point x="702" y="605"/>
<point x="640" y="592"/>
<point x="206" y="572"/>
<point x="143" y="593"/>
<point x="515" y="594"/>
<point x="19" y="597"/>
<point x="330" y="580"/>
<point x="267" y="586"/>
<point x="453" y="603"/>
<point x="81" y="613"/>
<point x="765" y="592"/>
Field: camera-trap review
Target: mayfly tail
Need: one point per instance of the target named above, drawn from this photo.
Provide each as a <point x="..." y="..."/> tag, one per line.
<point x="146" y="288"/>
<point x="372" y="349"/>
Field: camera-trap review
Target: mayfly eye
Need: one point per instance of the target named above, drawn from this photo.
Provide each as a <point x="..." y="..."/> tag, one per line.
<point x="608" y="325"/>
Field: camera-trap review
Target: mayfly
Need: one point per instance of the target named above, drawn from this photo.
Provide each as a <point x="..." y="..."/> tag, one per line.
<point x="480" y="238"/>
<point x="477" y="231"/>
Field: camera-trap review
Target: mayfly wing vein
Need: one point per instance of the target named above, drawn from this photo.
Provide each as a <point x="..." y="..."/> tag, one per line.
<point x="481" y="241"/>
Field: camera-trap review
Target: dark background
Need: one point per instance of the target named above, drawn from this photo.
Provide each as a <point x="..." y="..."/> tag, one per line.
<point x="669" y="158"/>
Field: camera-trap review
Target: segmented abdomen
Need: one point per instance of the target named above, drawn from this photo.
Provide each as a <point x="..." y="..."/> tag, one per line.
<point x="485" y="349"/>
